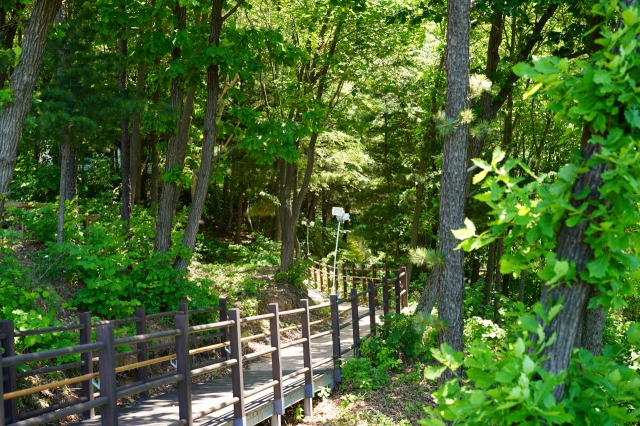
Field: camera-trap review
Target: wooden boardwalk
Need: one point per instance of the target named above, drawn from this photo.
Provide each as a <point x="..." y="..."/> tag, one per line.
<point x="163" y="410"/>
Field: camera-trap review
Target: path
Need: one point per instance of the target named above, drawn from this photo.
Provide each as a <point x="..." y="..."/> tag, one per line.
<point x="163" y="410"/>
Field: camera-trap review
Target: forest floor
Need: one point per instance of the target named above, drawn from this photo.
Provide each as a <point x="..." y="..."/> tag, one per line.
<point x="401" y="403"/>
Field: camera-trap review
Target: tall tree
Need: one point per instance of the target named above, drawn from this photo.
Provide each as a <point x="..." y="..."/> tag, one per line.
<point x="22" y="83"/>
<point x="452" y="183"/>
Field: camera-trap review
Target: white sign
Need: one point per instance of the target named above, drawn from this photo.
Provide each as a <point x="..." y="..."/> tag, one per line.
<point x="337" y="211"/>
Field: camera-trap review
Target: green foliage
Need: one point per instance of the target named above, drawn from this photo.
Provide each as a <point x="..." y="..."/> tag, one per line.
<point x="596" y="94"/>
<point x="397" y="336"/>
<point x="508" y="385"/>
<point x="21" y="300"/>
<point x="115" y="272"/>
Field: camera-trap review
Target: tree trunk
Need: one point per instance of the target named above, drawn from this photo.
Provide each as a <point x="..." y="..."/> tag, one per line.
<point x="452" y="182"/>
<point x="239" y="219"/>
<point x="63" y="187"/>
<point x="71" y="185"/>
<point x="475" y="271"/>
<point x="498" y="284"/>
<point x="22" y="83"/>
<point x="168" y="196"/>
<point x="488" y="278"/>
<point x="417" y="210"/>
<point x="136" y="141"/>
<point x="125" y="143"/>
<point x="572" y="247"/>
<point x="430" y="293"/>
<point x="290" y="209"/>
<point x="523" y="276"/>
<point x="208" y="141"/>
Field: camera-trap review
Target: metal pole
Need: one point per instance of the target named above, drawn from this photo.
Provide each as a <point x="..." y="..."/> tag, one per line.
<point x="335" y="257"/>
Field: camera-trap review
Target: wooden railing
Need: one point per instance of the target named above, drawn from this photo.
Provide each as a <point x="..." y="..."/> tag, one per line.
<point x="226" y="331"/>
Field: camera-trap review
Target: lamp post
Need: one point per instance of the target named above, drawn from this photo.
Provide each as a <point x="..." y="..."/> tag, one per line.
<point x="308" y="225"/>
<point x="339" y="213"/>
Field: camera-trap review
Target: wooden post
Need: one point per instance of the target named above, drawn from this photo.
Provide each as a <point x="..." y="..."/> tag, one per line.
<point x="344" y="280"/>
<point x="87" y="368"/>
<point x="363" y="274"/>
<point x="143" y="372"/>
<point x="335" y="326"/>
<point x="225" y="333"/>
<point x="385" y="295"/>
<point x="237" y="379"/>
<point x="355" y="322"/>
<point x="405" y="286"/>
<point x="184" y="307"/>
<point x="2" y="416"/>
<point x="108" y="385"/>
<point x="372" y="308"/>
<point x="9" y="346"/>
<point x="306" y="354"/>
<point x="276" y="366"/>
<point x="329" y="279"/>
<point x="398" y="289"/>
<point x="353" y="276"/>
<point x="374" y="276"/>
<point x="321" y="279"/>
<point x="184" y="368"/>
<point x="315" y="276"/>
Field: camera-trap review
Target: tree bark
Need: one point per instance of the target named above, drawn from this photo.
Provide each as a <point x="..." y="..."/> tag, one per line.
<point x="452" y="182"/>
<point x="239" y="219"/>
<point x="572" y="247"/>
<point x="63" y="187"/>
<point x="125" y="142"/>
<point x="208" y="141"/>
<point x="169" y="194"/>
<point x="22" y="83"/>
<point x="523" y="276"/>
<point x="488" y="278"/>
<point x="430" y="293"/>
<point x="71" y="185"/>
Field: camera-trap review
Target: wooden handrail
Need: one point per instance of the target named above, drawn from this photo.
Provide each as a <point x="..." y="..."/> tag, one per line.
<point x="48" y="386"/>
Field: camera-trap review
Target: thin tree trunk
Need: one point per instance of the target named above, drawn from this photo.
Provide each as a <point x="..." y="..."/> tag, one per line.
<point x="417" y="210"/>
<point x="23" y="81"/>
<point x="208" y="141"/>
<point x="488" y="278"/>
<point x="498" y="284"/>
<point x="71" y="186"/>
<point x="452" y="183"/>
<point x="239" y="219"/>
<point x="63" y="188"/>
<point x="430" y="293"/>
<point x="173" y="162"/>
<point x="523" y="275"/>
<point x="136" y="141"/>
<point x="125" y="143"/>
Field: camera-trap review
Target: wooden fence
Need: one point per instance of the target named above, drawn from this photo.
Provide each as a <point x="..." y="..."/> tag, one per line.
<point x="226" y="331"/>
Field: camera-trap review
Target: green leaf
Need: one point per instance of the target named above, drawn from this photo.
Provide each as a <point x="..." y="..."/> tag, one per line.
<point x="498" y="156"/>
<point x="633" y="334"/>
<point x="462" y="233"/>
<point x="598" y="267"/>
<point x="519" y="348"/>
<point x="479" y="177"/>
<point x="532" y="92"/>
<point x="528" y="366"/>
<point x="433" y="373"/>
